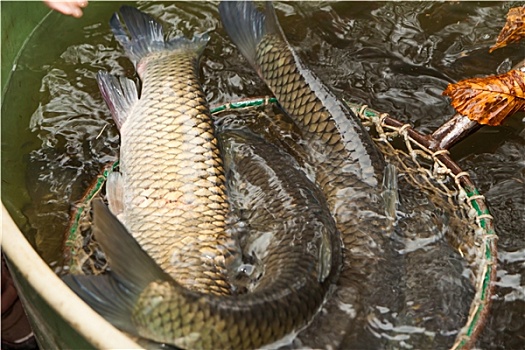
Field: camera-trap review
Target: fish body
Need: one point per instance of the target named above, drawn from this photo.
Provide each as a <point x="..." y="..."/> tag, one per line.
<point x="347" y="167"/>
<point x="170" y="192"/>
<point x="301" y="265"/>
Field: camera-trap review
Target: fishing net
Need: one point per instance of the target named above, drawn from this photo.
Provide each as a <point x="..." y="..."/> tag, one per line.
<point x="436" y="172"/>
<point x="409" y="151"/>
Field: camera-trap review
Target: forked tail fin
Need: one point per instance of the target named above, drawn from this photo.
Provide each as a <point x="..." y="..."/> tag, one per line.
<point x="246" y="26"/>
<point x="145" y="35"/>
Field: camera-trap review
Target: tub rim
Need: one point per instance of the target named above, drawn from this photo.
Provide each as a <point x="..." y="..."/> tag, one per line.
<point x="93" y="327"/>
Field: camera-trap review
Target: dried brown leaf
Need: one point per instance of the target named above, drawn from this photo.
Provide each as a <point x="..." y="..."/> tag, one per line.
<point x="514" y="28"/>
<point x="491" y="99"/>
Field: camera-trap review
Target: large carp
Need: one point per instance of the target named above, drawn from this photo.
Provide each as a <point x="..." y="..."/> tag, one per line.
<point x="301" y="260"/>
<point x="170" y="192"/>
<point x="346" y="165"/>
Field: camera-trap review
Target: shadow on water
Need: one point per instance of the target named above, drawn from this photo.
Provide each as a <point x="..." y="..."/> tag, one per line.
<point x="396" y="57"/>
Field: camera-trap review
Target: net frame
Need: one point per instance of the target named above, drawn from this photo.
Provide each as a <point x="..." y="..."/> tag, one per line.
<point x="419" y="147"/>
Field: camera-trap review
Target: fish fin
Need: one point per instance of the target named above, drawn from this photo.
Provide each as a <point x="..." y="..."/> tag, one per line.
<point x="120" y="95"/>
<point x="115" y="193"/>
<point x="106" y="296"/>
<point x="390" y="191"/>
<point x="145" y="35"/>
<point x="132" y="270"/>
<point x="246" y="26"/>
<point x="272" y="24"/>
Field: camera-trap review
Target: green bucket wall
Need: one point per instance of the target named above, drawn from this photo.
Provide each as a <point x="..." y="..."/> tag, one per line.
<point x="60" y="320"/>
<point x="16" y="29"/>
<point x="18" y="20"/>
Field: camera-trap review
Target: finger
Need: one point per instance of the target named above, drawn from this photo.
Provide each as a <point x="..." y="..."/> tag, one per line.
<point x="66" y="7"/>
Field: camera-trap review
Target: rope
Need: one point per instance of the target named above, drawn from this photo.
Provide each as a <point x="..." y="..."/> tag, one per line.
<point x="467" y="193"/>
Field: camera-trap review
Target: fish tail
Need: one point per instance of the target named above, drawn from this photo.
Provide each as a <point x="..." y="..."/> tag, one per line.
<point x="106" y="296"/>
<point x="145" y="35"/>
<point x="246" y="26"/>
<point x="120" y="94"/>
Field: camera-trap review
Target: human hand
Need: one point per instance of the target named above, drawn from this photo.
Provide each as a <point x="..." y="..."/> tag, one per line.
<point x="70" y="7"/>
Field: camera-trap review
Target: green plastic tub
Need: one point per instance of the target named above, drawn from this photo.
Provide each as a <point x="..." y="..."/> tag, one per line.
<point x="59" y="318"/>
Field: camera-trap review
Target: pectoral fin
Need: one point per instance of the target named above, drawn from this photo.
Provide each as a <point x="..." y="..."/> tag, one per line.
<point x="115" y="193"/>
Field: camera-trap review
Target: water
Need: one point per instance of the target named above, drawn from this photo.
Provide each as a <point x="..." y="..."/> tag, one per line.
<point x="396" y="57"/>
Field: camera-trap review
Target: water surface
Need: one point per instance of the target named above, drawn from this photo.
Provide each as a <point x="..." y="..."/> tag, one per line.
<point x="396" y="57"/>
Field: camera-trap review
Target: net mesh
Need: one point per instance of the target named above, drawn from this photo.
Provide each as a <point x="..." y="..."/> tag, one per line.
<point x="432" y="171"/>
<point x="435" y="172"/>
